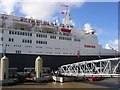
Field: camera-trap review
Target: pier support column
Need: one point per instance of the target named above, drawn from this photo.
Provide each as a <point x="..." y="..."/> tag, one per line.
<point x="38" y="67"/>
<point x="4" y="64"/>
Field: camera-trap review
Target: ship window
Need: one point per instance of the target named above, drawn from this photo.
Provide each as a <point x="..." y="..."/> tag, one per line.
<point x="30" y="34"/>
<point x="18" y="52"/>
<point x="17" y="45"/>
<point x="38" y="52"/>
<point x="65" y="53"/>
<point x="53" y="37"/>
<point x="37" y="42"/>
<point x="12" y="32"/>
<point x="71" y="26"/>
<point x="4" y="17"/>
<point x="48" y="48"/>
<point x="36" y="35"/>
<point x="78" y="40"/>
<point x="41" y="35"/>
<point x="20" y="33"/>
<point x="1" y="38"/>
<point x="41" y="42"/>
<point x="2" y="31"/>
<point x="7" y="45"/>
<point x="25" y="33"/>
<point x="30" y="41"/>
<point x="26" y="41"/>
<point x="57" y="48"/>
<point x="21" y="19"/>
<point x="57" y="53"/>
<point x="44" y="36"/>
<point x="22" y="28"/>
<point x="9" y="32"/>
<point x="11" y="39"/>
<point x="29" y="46"/>
<point x="65" y="38"/>
<point x="30" y="51"/>
<point x="48" y="52"/>
<point x="38" y="47"/>
<point x="23" y="40"/>
<point x="15" y="32"/>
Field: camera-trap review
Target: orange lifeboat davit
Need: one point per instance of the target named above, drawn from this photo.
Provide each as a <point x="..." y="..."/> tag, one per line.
<point x="65" y="30"/>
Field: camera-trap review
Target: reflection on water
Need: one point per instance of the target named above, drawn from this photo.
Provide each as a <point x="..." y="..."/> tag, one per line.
<point x="54" y="85"/>
<point x="107" y="83"/>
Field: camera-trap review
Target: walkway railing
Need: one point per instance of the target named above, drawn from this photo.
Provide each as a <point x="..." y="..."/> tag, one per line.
<point x="103" y="68"/>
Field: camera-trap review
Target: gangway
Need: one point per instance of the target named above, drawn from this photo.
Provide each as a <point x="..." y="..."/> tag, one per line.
<point x="97" y="68"/>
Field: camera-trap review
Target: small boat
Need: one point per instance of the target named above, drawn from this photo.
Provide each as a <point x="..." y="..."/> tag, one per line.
<point x="65" y="30"/>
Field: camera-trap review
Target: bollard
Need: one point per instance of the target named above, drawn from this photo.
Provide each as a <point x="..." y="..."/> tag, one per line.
<point x="4" y="68"/>
<point x="38" y="67"/>
<point x="61" y="79"/>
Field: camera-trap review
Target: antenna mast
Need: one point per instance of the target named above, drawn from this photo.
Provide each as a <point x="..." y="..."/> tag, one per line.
<point x="67" y="19"/>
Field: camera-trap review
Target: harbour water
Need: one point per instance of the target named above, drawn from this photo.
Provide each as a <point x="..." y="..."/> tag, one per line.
<point x="106" y="83"/>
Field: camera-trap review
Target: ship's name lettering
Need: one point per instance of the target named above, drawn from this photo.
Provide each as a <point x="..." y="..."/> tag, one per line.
<point x="89" y="46"/>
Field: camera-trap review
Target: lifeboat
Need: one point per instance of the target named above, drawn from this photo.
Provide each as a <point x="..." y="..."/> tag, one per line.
<point x="65" y="30"/>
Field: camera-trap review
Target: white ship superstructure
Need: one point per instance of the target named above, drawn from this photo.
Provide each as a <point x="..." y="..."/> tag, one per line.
<point x="22" y="39"/>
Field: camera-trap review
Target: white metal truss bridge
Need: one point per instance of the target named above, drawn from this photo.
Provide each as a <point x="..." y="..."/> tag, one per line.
<point x="96" y="68"/>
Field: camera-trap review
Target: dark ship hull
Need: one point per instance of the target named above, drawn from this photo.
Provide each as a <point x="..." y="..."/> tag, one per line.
<point x="21" y="61"/>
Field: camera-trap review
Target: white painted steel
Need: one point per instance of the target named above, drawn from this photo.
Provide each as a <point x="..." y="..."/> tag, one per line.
<point x="63" y="47"/>
<point x="100" y="68"/>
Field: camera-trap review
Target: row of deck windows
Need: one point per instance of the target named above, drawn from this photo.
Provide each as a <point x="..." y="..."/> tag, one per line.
<point x="17" y="45"/>
<point x="41" y="35"/>
<point x="20" y="33"/>
<point x="10" y="39"/>
<point x="18" y="52"/>
<point x="64" y="38"/>
<point x="78" y="40"/>
<point x="37" y="42"/>
<point x="51" y="48"/>
<point x="29" y="46"/>
<point x="55" y="53"/>
<point x="26" y="41"/>
<point x="41" y="42"/>
<point x="45" y="36"/>
<point x="53" y="37"/>
<point x="4" y="17"/>
<point x="6" y="45"/>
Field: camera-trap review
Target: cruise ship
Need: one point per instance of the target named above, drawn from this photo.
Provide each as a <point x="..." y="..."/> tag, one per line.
<point x="23" y="39"/>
